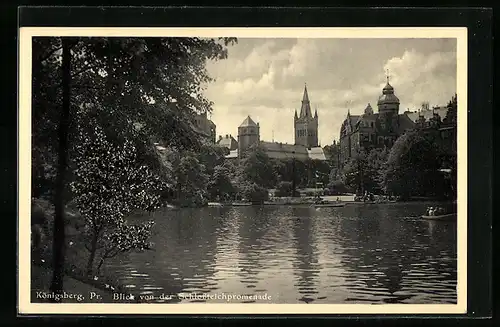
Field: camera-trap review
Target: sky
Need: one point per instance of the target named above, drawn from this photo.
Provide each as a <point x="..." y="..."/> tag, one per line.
<point x="265" y="78"/>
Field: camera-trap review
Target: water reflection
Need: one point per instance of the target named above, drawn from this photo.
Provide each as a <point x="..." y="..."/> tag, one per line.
<point x="354" y="254"/>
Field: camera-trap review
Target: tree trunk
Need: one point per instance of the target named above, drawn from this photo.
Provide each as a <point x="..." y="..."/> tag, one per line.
<point x="93" y="249"/>
<point x="100" y="265"/>
<point x="59" y="236"/>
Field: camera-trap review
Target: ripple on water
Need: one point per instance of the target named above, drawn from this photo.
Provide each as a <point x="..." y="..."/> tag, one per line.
<point x="352" y="254"/>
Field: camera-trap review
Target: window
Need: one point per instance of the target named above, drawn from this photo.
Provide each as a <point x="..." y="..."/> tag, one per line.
<point x="371" y="124"/>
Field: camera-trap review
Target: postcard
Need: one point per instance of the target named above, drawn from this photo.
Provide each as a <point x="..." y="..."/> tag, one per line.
<point x="242" y="170"/>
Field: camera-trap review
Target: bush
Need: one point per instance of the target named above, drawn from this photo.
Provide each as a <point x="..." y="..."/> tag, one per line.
<point x="284" y="189"/>
<point x="253" y="193"/>
<point x="337" y="187"/>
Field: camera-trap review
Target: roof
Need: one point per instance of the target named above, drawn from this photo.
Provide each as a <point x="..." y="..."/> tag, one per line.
<point x="284" y="148"/>
<point x="232" y="154"/>
<point x="277" y="150"/>
<point x="354" y="119"/>
<point x="428" y="114"/>
<point x="405" y="123"/>
<point x="248" y="122"/>
<point x="229" y="142"/>
<point x="388" y="95"/>
<point x="388" y="98"/>
<point x="316" y="153"/>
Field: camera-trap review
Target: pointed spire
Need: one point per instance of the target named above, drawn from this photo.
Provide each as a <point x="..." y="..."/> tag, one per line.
<point x="305" y="98"/>
<point x="296" y="117"/>
<point x="387" y="76"/>
<point x="305" y="109"/>
<point x="316" y="112"/>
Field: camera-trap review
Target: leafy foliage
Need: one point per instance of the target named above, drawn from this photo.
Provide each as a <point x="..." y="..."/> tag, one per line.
<point x="141" y="89"/>
<point x="253" y="193"/>
<point x="109" y="185"/>
<point x="219" y="185"/>
<point x="451" y="113"/>
<point x="412" y="167"/>
<point x="191" y="181"/>
<point x="256" y="167"/>
<point x="284" y="189"/>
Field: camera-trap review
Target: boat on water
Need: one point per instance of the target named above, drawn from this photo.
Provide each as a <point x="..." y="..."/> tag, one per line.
<point x="215" y="204"/>
<point x="448" y="216"/>
<point x="328" y="205"/>
<point x="241" y="204"/>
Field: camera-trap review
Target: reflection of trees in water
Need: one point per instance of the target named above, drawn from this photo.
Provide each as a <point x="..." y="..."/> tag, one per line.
<point x="381" y="248"/>
<point x="253" y="227"/>
<point x="184" y="251"/>
<point x="306" y="265"/>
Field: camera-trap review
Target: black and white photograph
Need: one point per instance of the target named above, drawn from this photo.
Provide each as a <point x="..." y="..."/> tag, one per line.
<point x="259" y="167"/>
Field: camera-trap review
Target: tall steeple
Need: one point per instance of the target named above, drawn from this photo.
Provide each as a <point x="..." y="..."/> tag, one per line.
<point x="305" y="109"/>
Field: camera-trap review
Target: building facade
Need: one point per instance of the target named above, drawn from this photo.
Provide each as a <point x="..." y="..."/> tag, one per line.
<point x="205" y="126"/>
<point x="380" y="130"/>
<point x="373" y="129"/>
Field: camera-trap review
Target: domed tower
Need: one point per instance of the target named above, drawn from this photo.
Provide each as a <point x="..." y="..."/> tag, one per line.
<point x="388" y="107"/>
<point x="306" y="125"/>
<point x="248" y="135"/>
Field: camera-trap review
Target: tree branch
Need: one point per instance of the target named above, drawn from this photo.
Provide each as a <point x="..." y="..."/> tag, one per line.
<point x="83" y="70"/>
<point x="47" y="56"/>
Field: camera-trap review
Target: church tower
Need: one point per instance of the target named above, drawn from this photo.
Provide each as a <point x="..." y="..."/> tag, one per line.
<point x="248" y="135"/>
<point x="306" y="125"/>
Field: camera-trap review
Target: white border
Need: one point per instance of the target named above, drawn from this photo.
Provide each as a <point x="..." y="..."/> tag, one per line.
<point x="24" y="152"/>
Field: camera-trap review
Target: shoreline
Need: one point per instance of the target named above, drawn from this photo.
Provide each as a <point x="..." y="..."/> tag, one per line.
<point x="305" y="203"/>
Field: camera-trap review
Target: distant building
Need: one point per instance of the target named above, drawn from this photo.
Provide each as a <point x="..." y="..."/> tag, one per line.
<point x="374" y="130"/>
<point x="205" y="126"/>
<point x="228" y="141"/>
<point x="427" y="113"/>
<point x="306" y="126"/>
<point x="306" y="137"/>
<point x="439" y="124"/>
<point x="378" y="130"/>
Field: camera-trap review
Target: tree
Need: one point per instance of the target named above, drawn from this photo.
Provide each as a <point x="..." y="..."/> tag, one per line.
<point x="253" y="192"/>
<point x="412" y="167"/>
<point x="110" y="184"/>
<point x="375" y="165"/>
<point x="332" y="154"/>
<point x="451" y="112"/>
<point x="191" y="181"/>
<point x="353" y="172"/>
<point x="62" y="155"/>
<point x="257" y="167"/>
<point x="137" y="89"/>
<point x="155" y="84"/>
<point x="211" y="155"/>
<point x="220" y="184"/>
<point x="284" y="189"/>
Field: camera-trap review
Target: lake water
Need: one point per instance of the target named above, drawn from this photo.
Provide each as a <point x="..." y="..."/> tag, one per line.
<point x="355" y="254"/>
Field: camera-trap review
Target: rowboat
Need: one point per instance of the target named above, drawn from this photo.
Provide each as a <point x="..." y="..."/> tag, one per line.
<point x="241" y="204"/>
<point x="449" y="216"/>
<point x="328" y="205"/>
